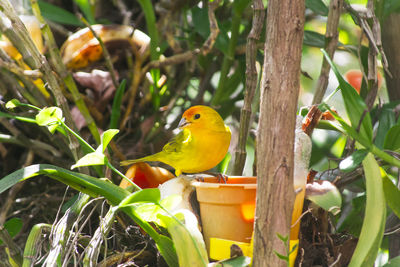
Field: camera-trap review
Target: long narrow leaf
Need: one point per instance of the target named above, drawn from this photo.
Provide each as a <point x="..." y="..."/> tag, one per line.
<point x="355" y="106"/>
<point x="93" y="187"/>
<point x="375" y="216"/>
<point x="392" y="195"/>
<point x="116" y="106"/>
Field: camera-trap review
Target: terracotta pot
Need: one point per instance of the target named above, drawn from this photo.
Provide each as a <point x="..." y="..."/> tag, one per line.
<point x="227" y="210"/>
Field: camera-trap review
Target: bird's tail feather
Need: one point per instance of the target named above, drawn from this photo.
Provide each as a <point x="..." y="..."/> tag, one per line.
<point x="133" y="161"/>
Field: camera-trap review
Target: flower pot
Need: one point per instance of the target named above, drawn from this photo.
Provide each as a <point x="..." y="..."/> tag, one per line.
<point x="227" y="210"/>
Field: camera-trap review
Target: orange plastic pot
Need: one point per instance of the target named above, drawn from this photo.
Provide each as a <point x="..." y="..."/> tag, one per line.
<point x="227" y="210"/>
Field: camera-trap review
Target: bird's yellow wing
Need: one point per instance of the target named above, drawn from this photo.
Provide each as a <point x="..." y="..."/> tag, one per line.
<point x="178" y="143"/>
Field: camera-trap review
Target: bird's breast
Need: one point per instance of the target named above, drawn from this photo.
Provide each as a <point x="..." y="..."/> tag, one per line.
<point x="206" y="150"/>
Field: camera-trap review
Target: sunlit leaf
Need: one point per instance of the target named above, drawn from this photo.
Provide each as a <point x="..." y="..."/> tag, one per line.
<point x="107" y="136"/>
<point x="87" y="9"/>
<point x="355" y="106"/>
<point x="186" y="237"/>
<point x="375" y="216"/>
<point x="90" y="159"/>
<point x="151" y="195"/>
<point x="13" y="103"/>
<point x="353" y="161"/>
<point x="49" y="117"/>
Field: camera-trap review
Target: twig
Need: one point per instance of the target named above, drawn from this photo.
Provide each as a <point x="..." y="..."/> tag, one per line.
<point x="124" y="11"/>
<point x="238" y="8"/>
<point x="63" y="72"/>
<point x="106" y="54"/>
<point x="331" y="40"/>
<point x="172" y="60"/>
<point x="92" y="250"/>
<point x="372" y="58"/>
<point x="373" y="35"/>
<point x="214" y="30"/>
<point x="251" y="85"/>
<point x="62" y="229"/>
<point x="20" y="38"/>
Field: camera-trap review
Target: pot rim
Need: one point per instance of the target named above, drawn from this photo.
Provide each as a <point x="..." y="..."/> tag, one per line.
<point x="217" y="184"/>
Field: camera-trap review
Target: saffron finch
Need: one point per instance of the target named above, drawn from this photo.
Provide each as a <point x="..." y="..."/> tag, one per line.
<point x="200" y="146"/>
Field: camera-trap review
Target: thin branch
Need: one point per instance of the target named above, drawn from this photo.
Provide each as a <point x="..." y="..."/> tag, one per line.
<point x="251" y="85"/>
<point x="20" y="38"/>
<point x="56" y="60"/>
<point x="331" y="40"/>
<point x="214" y="30"/>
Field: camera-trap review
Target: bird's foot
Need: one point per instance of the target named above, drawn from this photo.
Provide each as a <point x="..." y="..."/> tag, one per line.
<point x="220" y="176"/>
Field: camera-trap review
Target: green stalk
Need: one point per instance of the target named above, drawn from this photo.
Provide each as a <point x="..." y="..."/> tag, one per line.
<point x="64" y="73"/>
<point x="32" y="243"/>
<point x="238" y="9"/>
<point x="150" y="17"/>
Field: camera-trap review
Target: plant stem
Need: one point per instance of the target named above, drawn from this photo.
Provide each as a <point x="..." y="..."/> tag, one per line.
<point x="64" y="73"/>
<point x="238" y="9"/>
<point x="251" y="85"/>
<point x="32" y="243"/>
<point x="20" y="38"/>
<point x="331" y="40"/>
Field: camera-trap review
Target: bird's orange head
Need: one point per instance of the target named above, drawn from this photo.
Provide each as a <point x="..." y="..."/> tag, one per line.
<point x="202" y="117"/>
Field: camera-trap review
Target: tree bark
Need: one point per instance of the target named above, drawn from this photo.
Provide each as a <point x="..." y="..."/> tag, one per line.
<point x="279" y="95"/>
<point x="390" y="42"/>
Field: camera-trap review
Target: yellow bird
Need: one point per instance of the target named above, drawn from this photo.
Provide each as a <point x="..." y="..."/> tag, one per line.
<point x="200" y="146"/>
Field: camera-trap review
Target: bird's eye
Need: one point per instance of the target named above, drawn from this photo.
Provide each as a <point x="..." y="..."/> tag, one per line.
<point x="197" y="116"/>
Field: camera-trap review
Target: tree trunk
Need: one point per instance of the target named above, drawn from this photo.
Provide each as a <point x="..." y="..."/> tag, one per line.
<point x="390" y="42"/>
<point x="279" y="95"/>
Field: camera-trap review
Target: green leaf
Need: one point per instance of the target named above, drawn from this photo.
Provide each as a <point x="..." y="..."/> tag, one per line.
<point x="386" y="120"/>
<point x="356" y="108"/>
<point x="49" y="117"/>
<point x="188" y="241"/>
<point x="353" y="161"/>
<point x="151" y="195"/>
<point x="116" y="106"/>
<point x="241" y="261"/>
<point x="81" y="182"/>
<point x="58" y="15"/>
<point x="87" y="9"/>
<point x="94" y="187"/>
<point x="392" y="138"/>
<point x="167" y="250"/>
<point x="390" y="6"/>
<point x="395" y="262"/>
<point x="392" y="195"/>
<point x="94" y="158"/>
<point x="13" y="103"/>
<point x="314" y="39"/>
<point x="375" y="216"/>
<point x="325" y="195"/>
<point x="13" y="227"/>
<point x="318" y="7"/>
<point x="107" y="136"/>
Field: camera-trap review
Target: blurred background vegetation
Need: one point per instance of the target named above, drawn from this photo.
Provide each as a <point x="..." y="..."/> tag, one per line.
<point x="144" y="92"/>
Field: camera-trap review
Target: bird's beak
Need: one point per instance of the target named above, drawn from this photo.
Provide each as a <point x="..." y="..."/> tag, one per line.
<point x="183" y="123"/>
